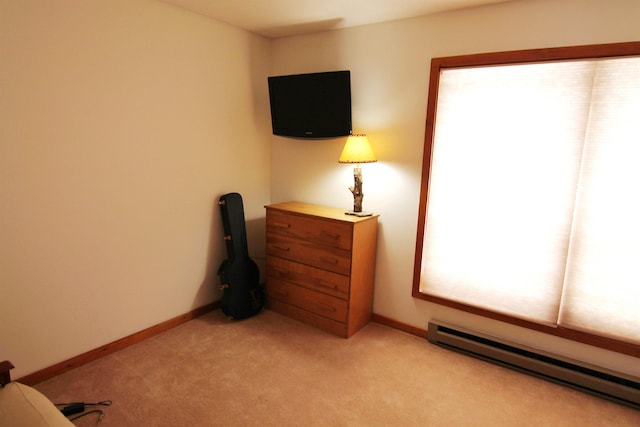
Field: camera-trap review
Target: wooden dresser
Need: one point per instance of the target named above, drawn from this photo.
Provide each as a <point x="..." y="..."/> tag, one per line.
<point x="320" y="265"/>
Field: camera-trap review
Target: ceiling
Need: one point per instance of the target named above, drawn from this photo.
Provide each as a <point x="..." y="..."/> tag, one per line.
<point x="281" y="18"/>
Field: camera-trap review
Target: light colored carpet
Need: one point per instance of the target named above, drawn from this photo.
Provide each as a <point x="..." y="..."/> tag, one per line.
<point x="272" y="371"/>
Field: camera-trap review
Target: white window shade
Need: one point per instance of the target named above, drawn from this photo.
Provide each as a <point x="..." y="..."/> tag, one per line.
<point x="505" y="166"/>
<point x="602" y="290"/>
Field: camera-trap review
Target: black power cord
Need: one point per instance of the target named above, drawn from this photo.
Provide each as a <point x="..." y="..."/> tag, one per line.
<point x="72" y="408"/>
<point x="93" y="411"/>
<point x="80" y="408"/>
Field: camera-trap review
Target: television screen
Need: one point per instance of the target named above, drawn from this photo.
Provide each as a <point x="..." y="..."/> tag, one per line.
<point x="316" y="105"/>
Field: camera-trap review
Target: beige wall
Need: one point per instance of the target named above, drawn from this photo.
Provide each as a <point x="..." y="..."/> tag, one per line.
<point x="121" y="123"/>
<point x="390" y="70"/>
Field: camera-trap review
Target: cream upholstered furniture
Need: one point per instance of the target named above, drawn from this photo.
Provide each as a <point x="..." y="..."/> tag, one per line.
<point x="24" y="406"/>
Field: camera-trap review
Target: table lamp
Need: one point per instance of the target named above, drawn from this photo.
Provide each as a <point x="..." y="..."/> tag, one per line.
<point x="357" y="150"/>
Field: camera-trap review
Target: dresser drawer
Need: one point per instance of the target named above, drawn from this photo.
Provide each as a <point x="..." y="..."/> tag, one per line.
<point x="309" y="277"/>
<point x="315" y="255"/>
<point x="315" y="302"/>
<point x="337" y="328"/>
<point x="326" y="232"/>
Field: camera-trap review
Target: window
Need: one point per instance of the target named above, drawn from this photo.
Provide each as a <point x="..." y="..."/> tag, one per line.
<point x="529" y="209"/>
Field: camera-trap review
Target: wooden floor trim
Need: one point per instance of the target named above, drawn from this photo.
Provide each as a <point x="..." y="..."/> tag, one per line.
<point x="106" y="349"/>
<point x="90" y="356"/>
<point x="422" y="333"/>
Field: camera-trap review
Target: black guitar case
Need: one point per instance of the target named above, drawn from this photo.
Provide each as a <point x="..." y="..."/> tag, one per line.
<point x="242" y="295"/>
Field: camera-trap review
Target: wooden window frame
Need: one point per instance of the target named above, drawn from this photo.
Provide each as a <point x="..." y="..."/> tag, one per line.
<point x="505" y="58"/>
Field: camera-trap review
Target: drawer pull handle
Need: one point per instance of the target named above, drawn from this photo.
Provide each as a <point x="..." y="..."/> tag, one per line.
<point x="335" y="236"/>
<point x="282" y="273"/>
<point x="325" y="308"/>
<point x="281" y="248"/>
<point x="280" y="292"/>
<point x="281" y="225"/>
<point x="326" y="285"/>
<point x="329" y="260"/>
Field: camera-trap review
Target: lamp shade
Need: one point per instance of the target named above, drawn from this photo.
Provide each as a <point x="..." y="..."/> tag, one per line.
<point x="357" y="150"/>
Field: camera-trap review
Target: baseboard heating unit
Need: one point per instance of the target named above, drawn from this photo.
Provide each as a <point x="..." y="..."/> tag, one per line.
<point x="621" y="388"/>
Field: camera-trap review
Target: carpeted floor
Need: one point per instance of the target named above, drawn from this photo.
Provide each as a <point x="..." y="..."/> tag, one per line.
<point x="272" y="371"/>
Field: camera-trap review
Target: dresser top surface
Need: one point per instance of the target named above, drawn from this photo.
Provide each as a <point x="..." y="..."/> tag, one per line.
<point x="302" y="208"/>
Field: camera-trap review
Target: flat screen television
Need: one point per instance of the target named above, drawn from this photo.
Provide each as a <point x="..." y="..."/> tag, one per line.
<point x="315" y="105"/>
